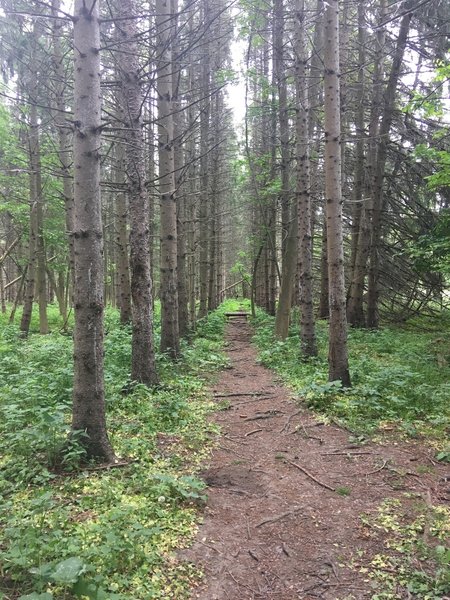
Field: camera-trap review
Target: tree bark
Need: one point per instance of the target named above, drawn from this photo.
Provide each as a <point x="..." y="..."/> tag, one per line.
<point x="355" y="309"/>
<point x="121" y="233"/>
<point x="204" y="166"/>
<point x="64" y="134"/>
<point x="165" y="26"/>
<point x="88" y="387"/>
<point x="179" y="160"/>
<point x="280" y="78"/>
<point x="307" y="325"/>
<point x="143" y="368"/>
<point x="337" y="351"/>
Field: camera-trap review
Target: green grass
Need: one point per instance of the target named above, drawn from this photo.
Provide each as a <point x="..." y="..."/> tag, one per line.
<point x="101" y="534"/>
<point x="400" y="377"/>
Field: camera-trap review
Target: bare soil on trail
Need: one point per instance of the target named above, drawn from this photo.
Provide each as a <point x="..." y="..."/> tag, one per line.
<point x="278" y="523"/>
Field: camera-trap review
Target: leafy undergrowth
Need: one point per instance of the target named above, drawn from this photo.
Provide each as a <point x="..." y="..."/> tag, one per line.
<point x="415" y="562"/>
<point x="99" y="533"/>
<point x="400" y="379"/>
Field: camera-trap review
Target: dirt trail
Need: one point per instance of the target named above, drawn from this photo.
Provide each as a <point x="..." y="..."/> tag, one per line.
<point x="273" y="528"/>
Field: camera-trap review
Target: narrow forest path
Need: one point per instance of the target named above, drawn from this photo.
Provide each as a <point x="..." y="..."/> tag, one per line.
<point x="273" y="528"/>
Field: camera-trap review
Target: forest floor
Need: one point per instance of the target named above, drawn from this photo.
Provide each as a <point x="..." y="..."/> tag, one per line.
<point x="297" y="510"/>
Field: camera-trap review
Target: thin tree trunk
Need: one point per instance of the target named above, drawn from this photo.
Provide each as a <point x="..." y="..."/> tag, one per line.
<point x="337" y="352"/>
<point x="204" y="166"/>
<point x="123" y="267"/>
<point x="307" y="325"/>
<point x="165" y="27"/>
<point x="64" y="134"/>
<point x="280" y="77"/>
<point x="324" y="300"/>
<point x="355" y="307"/>
<point x="2" y="291"/>
<point x="30" y="273"/>
<point x="59" y="293"/>
<point x="178" y="122"/>
<point x="289" y="266"/>
<point x="143" y="368"/>
<point x="355" y="313"/>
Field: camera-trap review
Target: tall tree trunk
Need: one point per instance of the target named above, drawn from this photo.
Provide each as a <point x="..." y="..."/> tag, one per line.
<point x="358" y="181"/>
<point x="204" y="166"/>
<point x="36" y="184"/>
<point x="120" y="222"/>
<point x="289" y="232"/>
<point x="64" y="134"/>
<point x="315" y="103"/>
<point x="88" y="386"/>
<point x="324" y="300"/>
<point x="36" y="257"/>
<point x="307" y="325"/>
<point x="289" y="266"/>
<point x="165" y="27"/>
<point x="30" y="278"/>
<point x="337" y="353"/>
<point x="143" y="368"/>
<point x="191" y="195"/>
<point x="280" y="77"/>
<point x="355" y="308"/>
<point x="178" y="122"/>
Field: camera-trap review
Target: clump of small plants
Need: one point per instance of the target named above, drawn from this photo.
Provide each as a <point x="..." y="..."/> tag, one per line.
<point x="415" y="559"/>
<point x="400" y="378"/>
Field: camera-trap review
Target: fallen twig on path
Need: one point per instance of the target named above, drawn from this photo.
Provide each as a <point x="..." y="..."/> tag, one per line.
<point x="280" y="517"/>
<point x="237" y="491"/>
<point x="288" y="422"/>
<point x="268" y="415"/>
<point x="234" y="439"/>
<point x="253" y="555"/>
<point x="346" y="453"/>
<point x="311" y="437"/>
<point x="241" y="584"/>
<point x="308" y="474"/>
<point x="231" y="450"/>
<point x="250" y="401"/>
<point x="331" y="564"/>
<point x="210" y="547"/>
<point x="232" y="395"/>
<point x="385" y="462"/>
<point x="253" y="431"/>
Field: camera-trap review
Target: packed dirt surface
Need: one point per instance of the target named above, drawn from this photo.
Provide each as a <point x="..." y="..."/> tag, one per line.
<point x="286" y="492"/>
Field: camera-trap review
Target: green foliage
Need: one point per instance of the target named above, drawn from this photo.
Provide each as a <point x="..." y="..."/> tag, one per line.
<point x="68" y="532"/>
<point x="400" y="377"/>
<point x="415" y="560"/>
<point x="343" y="491"/>
<point x="443" y="456"/>
<point x="224" y="76"/>
<point x="441" y="161"/>
<point x="431" y="252"/>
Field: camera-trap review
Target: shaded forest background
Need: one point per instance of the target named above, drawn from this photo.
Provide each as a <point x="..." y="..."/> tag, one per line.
<point x="236" y="193"/>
